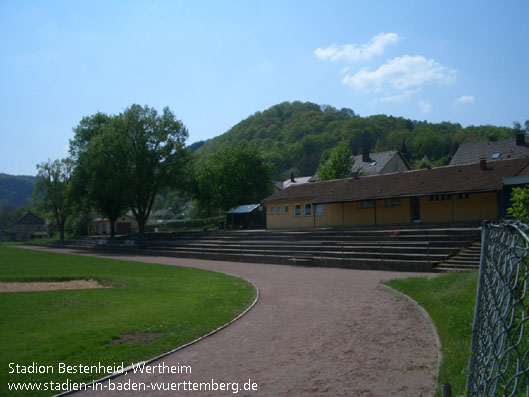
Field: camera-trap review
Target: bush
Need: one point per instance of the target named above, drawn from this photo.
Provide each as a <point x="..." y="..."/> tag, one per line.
<point x="520" y="204"/>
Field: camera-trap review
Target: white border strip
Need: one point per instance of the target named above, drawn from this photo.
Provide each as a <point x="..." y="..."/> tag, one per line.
<point x="130" y="368"/>
<point x="432" y="325"/>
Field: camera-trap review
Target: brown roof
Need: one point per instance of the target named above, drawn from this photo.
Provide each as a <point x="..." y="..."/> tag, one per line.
<point x="30" y="219"/>
<point x="441" y="180"/>
<point x="472" y="152"/>
<point x="377" y="162"/>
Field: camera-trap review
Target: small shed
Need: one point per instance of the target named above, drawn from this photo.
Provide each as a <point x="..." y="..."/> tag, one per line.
<point x="29" y="226"/>
<point x="250" y="216"/>
<point x="125" y="224"/>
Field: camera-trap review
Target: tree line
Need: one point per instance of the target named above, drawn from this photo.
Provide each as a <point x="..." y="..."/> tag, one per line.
<point x="295" y="135"/>
<point x="138" y="159"/>
<point x="120" y="163"/>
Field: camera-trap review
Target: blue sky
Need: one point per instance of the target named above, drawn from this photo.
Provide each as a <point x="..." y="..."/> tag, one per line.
<point x="215" y="63"/>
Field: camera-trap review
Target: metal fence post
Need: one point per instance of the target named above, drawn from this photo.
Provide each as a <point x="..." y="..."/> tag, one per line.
<point x="481" y="278"/>
<point x="447" y="390"/>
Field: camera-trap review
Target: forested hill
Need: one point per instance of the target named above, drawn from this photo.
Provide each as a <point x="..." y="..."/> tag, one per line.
<point x="294" y="135"/>
<point x="15" y="191"/>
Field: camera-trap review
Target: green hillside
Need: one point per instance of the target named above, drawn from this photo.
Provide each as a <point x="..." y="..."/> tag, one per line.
<point x="293" y="136"/>
<point x="15" y="190"/>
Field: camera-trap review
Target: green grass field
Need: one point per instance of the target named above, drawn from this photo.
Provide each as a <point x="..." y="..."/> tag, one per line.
<point x="450" y="301"/>
<point x="76" y="326"/>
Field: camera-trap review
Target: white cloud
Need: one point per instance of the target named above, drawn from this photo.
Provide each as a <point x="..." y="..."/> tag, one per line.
<point x="352" y="52"/>
<point x="400" y="97"/>
<point x="401" y="74"/>
<point x="465" y="99"/>
<point x="425" y="107"/>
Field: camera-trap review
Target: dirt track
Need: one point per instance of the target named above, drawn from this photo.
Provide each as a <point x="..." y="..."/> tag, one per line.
<point x="49" y="286"/>
<point x="314" y="331"/>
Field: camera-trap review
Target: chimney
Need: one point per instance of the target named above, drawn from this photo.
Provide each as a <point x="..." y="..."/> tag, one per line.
<point x="365" y="155"/>
<point x="355" y="175"/>
<point x="482" y="165"/>
<point x="520" y="139"/>
<point x="292" y="178"/>
<point x="492" y="138"/>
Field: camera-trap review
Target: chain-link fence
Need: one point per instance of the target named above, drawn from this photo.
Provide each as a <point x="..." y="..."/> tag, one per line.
<point x="499" y="354"/>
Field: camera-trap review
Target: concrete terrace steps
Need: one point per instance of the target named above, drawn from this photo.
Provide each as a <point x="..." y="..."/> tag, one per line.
<point x="303" y="259"/>
<point x="321" y="237"/>
<point x="409" y="248"/>
<point x="320" y="233"/>
<point x="314" y="254"/>
<point x="466" y="259"/>
<point x="453" y="245"/>
<point x="317" y="250"/>
<point x="376" y="247"/>
<point x="344" y="239"/>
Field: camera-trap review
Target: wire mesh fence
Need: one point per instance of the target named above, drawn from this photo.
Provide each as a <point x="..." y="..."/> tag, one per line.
<point x="499" y="354"/>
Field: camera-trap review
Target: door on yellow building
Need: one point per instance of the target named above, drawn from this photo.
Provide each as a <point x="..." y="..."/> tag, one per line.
<point x="415" y="210"/>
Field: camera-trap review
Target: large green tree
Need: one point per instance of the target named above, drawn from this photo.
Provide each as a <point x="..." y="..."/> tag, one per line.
<point x="232" y="176"/>
<point x="53" y="189"/>
<point x="97" y="181"/>
<point x="130" y="157"/>
<point x="338" y="165"/>
<point x="151" y="154"/>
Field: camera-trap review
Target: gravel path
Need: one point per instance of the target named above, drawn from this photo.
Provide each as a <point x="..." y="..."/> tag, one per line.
<point x="313" y="332"/>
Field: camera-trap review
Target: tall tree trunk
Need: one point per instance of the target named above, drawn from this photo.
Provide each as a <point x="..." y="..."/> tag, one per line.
<point x="61" y="222"/>
<point x="112" y="227"/>
<point x="141" y="223"/>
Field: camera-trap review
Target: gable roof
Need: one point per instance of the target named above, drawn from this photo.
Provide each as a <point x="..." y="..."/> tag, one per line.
<point x="298" y="181"/>
<point x="472" y="152"/>
<point x="441" y="180"/>
<point x="30" y="219"/>
<point x="163" y="212"/>
<point x="243" y="209"/>
<point x="376" y="163"/>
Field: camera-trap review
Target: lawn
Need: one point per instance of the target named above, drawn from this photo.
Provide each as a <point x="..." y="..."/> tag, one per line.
<point x="450" y="301"/>
<point x="77" y="327"/>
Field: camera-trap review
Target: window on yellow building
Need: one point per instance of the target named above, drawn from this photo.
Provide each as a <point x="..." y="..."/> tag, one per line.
<point x="272" y="209"/>
<point x="439" y="197"/>
<point x="392" y="202"/>
<point x="308" y="209"/>
<point x="318" y="210"/>
<point x="286" y="208"/>
<point x="297" y="210"/>
<point x="366" y="204"/>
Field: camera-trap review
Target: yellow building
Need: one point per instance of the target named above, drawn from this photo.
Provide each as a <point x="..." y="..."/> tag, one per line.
<point x="452" y="194"/>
